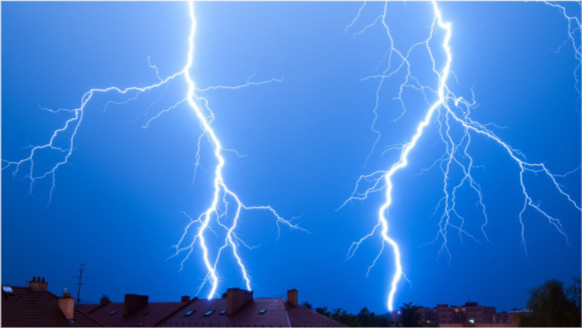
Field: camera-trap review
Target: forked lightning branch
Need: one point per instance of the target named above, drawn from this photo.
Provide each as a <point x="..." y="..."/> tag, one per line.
<point x="225" y="202"/>
<point x="447" y="111"/>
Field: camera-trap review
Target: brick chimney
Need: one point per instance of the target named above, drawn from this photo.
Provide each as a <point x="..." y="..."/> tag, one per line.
<point x="237" y="298"/>
<point x="38" y="284"/>
<point x="67" y="305"/>
<point x="133" y="303"/>
<point x="293" y="297"/>
<point x="104" y="300"/>
<point x="185" y="299"/>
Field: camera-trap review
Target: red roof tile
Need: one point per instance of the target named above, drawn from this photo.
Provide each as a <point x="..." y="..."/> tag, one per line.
<point x="278" y="313"/>
<point x="111" y="314"/>
<point x="28" y="308"/>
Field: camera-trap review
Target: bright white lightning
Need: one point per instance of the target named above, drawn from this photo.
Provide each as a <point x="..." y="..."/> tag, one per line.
<point x="221" y="193"/>
<point x="446" y="110"/>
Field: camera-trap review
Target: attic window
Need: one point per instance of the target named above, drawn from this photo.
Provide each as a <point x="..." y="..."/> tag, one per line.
<point x="208" y="313"/>
<point x="189" y="313"/>
<point x="112" y="312"/>
<point x="262" y="311"/>
<point x="8" y="290"/>
<point x="223" y="312"/>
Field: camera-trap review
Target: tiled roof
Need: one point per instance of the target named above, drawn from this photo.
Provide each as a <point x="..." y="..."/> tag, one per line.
<point x="278" y="313"/>
<point x="32" y="308"/>
<point x="300" y="316"/>
<point x="111" y="314"/>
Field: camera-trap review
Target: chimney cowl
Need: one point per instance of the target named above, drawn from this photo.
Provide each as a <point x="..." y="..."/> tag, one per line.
<point x="66" y="294"/>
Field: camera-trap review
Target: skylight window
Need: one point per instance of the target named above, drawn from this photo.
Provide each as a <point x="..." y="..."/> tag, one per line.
<point x="223" y="312"/>
<point x="208" y="313"/>
<point x="140" y="324"/>
<point x="112" y="312"/>
<point x="8" y="290"/>
<point x="262" y="311"/>
<point x="189" y="313"/>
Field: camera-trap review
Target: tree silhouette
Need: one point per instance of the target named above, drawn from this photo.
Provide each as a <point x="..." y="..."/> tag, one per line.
<point x="410" y="316"/>
<point x="342" y="316"/>
<point x="550" y="306"/>
<point x="323" y="311"/>
<point x="575" y="292"/>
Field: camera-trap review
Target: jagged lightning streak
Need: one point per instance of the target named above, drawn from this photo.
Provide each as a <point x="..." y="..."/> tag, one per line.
<point x="574" y="25"/>
<point x="217" y="210"/>
<point x="446" y="110"/>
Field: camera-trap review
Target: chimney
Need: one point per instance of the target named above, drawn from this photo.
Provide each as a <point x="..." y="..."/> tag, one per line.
<point x="133" y="303"/>
<point x="185" y="299"/>
<point x="292" y="297"/>
<point x="37" y="284"/>
<point x="67" y="305"/>
<point x="237" y="298"/>
<point x="104" y="300"/>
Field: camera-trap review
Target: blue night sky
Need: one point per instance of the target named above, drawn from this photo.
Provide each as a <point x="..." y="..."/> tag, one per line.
<point x="119" y="202"/>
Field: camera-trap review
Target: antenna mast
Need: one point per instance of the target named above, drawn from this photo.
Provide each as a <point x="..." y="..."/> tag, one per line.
<point x="79" y="284"/>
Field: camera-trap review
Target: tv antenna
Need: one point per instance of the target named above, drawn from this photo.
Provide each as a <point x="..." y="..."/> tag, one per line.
<point x="79" y="284"/>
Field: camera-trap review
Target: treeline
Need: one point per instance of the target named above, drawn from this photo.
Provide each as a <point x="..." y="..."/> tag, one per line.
<point x="363" y="319"/>
<point x="552" y="305"/>
<point x="409" y="317"/>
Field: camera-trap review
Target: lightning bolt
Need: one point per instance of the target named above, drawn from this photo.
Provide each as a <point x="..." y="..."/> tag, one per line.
<point x="573" y="28"/>
<point x="447" y="111"/>
<point x="223" y="197"/>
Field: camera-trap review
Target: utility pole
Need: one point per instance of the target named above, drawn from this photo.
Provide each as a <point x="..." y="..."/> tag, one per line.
<point x="79" y="284"/>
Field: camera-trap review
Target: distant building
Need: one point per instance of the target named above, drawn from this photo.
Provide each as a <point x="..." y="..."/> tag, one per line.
<point x="35" y="306"/>
<point x="237" y="308"/>
<point x="469" y="315"/>
<point x="477" y="325"/>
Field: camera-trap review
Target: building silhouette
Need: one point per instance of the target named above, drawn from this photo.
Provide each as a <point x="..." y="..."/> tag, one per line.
<point x="471" y="314"/>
